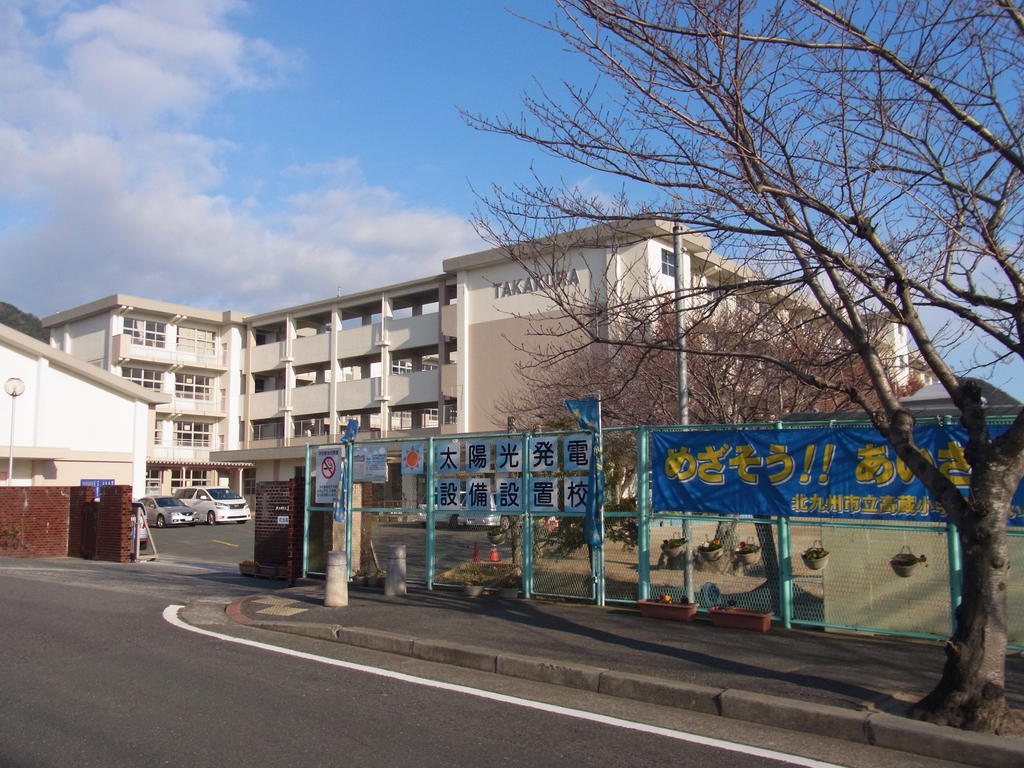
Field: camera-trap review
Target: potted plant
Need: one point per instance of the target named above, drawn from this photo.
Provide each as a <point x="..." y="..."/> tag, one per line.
<point x="815" y="557"/>
<point x="733" y="617"/>
<point x="666" y="607"/>
<point x="473" y="586"/>
<point x="379" y="577"/>
<point x="747" y="552"/>
<point x="710" y="550"/>
<point x="359" y="579"/>
<point x="904" y="562"/>
<point x="508" y="586"/>
<point x="673" y="547"/>
<point x="248" y="567"/>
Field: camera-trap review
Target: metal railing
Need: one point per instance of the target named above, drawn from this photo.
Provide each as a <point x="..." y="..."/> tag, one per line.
<point x="856" y="589"/>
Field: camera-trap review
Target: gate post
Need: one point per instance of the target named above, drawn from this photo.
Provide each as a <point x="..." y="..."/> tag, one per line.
<point x="643" y="515"/>
<point x="955" y="572"/>
<point x="785" y="573"/>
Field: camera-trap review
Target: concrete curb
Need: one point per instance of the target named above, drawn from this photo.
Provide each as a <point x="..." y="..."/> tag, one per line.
<point x="861" y="726"/>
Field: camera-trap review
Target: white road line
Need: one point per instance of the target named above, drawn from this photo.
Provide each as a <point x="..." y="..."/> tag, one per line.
<point x="171" y="616"/>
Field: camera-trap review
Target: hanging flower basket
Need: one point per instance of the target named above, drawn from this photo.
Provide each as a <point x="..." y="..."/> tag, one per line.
<point x="747" y="553"/>
<point x="673" y="547"/>
<point x="667" y="608"/>
<point x="904" y="562"/>
<point x="710" y="550"/>
<point x="815" y="557"/>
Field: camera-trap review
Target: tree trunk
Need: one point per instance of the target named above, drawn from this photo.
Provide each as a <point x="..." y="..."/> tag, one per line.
<point x="971" y="693"/>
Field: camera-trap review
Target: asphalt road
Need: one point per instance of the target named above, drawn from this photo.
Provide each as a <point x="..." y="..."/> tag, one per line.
<point x="92" y="681"/>
<point x="228" y="543"/>
<point x="93" y="675"/>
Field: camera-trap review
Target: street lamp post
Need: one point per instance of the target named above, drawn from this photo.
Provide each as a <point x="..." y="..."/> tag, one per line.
<point x="13" y="387"/>
<point x="682" y="287"/>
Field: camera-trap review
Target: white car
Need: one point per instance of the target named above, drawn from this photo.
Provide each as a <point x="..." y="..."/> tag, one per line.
<point x="215" y="504"/>
<point x="162" y="511"/>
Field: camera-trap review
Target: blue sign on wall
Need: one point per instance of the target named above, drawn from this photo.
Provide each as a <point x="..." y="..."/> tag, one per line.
<point x="845" y="473"/>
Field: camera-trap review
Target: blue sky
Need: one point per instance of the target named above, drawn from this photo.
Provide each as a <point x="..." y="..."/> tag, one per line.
<point x="252" y="155"/>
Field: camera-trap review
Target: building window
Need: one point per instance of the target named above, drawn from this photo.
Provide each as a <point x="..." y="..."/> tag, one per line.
<point x="145" y="333"/>
<point x="192" y="434"/>
<point x="153" y="481"/>
<point x="184" y="478"/>
<point x="249" y="481"/>
<point x="668" y="263"/>
<point x="192" y="387"/>
<point x="197" y="341"/>
<point x="267" y="430"/>
<point x="144" y="377"/>
<point x="158" y="433"/>
<point x="451" y="413"/>
<point x="400" y="367"/>
<point x="429" y="417"/>
<point x="401" y="420"/>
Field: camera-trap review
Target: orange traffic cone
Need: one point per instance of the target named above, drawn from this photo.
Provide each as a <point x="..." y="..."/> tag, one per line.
<point x="476" y="552"/>
<point x="494" y="553"/>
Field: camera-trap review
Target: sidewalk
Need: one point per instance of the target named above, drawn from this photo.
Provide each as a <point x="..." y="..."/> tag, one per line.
<point x="855" y="687"/>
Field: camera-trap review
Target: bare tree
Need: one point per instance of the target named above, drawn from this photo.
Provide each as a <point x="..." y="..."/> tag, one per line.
<point x="864" y="159"/>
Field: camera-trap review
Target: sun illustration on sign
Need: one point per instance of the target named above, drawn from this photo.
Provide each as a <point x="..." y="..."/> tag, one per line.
<point x="413" y="457"/>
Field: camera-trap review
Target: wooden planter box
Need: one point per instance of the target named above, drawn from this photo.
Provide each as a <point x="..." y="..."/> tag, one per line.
<point x="247" y="569"/>
<point x="272" y="571"/>
<point x="741" y="618"/>
<point x="655" y="609"/>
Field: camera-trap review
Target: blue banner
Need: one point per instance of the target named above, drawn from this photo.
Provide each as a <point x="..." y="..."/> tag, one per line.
<point x="588" y="415"/>
<point x="841" y="473"/>
<point x="340" y="506"/>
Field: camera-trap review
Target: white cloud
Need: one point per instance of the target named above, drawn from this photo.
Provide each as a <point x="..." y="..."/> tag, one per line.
<point x="110" y="187"/>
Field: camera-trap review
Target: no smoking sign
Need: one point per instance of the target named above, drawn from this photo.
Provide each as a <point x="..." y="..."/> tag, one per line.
<point x="328" y="467"/>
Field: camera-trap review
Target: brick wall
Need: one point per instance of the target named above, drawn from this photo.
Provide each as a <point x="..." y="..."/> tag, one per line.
<point x="34" y="521"/>
<point x="82" y="522"/>
<point x="57" y="521"/>
<point x="277" y="544"/>
<point x="113" y="524"/>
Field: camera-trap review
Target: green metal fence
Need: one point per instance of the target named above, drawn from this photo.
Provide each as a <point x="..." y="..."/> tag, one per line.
<point x="856" y="589"/>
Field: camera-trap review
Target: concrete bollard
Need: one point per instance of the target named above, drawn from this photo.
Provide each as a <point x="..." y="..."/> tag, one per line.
<point x="336" y="592"/>
<point x="394" y="577"/>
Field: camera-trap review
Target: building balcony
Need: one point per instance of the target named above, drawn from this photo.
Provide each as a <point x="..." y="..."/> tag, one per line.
<point x="450" y="320"/>
<point x="216" y="407"/>
<point x="414" y="332"/>
<point x="267" y="357"/>
<point x="413" y="388"/>
<point x="266" y="405"/>
<point x="308" y="350"/>
<point x="125" y="351"/>
<point x="357" y="395"/>
<point x="450" y="380"/>
<point x="179" y="453"/>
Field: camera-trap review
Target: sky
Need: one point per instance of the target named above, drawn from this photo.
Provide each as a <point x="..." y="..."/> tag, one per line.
<point x="251" y="155"/>
<point x="257" y="154"/>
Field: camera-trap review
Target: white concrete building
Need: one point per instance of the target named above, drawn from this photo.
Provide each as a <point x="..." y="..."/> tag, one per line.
<point x="72" y="421"/>
<point x="246" y="393"/>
